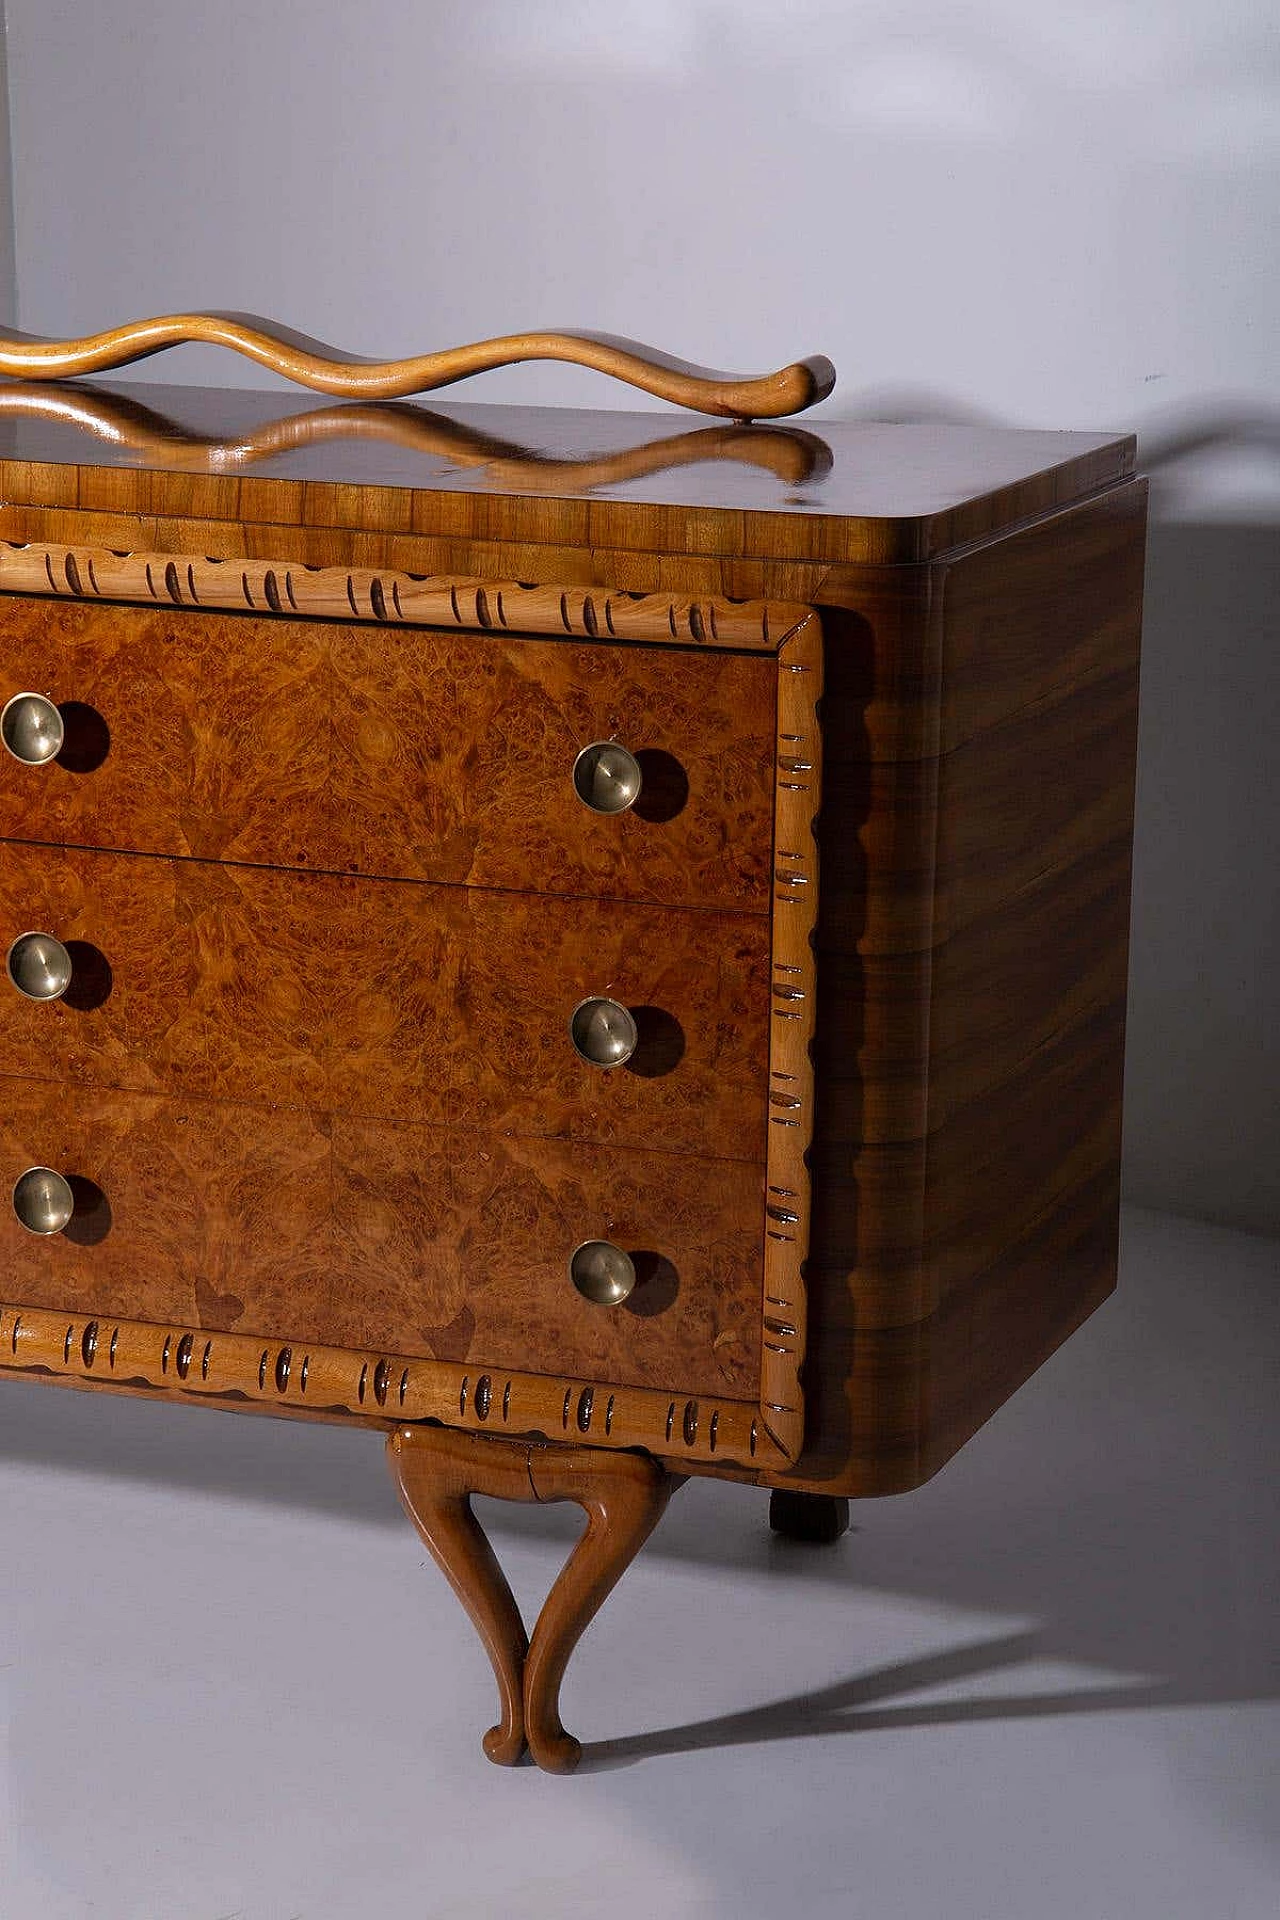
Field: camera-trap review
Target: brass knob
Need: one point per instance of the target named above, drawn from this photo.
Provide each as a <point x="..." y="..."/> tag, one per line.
<point x="602" y="1272"/>
<point x="43" y="1200"/>
<point x="603" y="1033"/>
<point x="39" y="966"/>
<point x="31" y="728"/>
<point x="606" y="777"/>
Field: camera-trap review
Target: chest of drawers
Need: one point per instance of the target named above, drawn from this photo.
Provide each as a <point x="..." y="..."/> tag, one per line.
<point x="595" y="949"/>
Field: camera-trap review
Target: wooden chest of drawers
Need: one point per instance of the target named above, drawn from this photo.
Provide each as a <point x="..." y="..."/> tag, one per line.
<point x="597" y="951"/>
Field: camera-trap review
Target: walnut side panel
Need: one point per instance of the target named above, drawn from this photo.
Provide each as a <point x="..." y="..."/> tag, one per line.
<point x="972" y="965"/>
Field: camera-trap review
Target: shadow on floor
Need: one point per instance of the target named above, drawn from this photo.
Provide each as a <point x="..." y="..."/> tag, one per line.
<point x="1124" y="1500"/>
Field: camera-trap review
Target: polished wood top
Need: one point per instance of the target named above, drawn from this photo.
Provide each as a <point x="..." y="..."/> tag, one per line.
<point x="850" y="492"/>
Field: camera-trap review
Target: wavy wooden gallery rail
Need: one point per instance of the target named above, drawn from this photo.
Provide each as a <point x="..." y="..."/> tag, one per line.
<point x="309" y="363"/>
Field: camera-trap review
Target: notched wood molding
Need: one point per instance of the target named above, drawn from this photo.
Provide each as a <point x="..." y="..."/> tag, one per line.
<point x="793" y="997"/>
<point x="390" y="598"/>
<point x="381" y="1389"/>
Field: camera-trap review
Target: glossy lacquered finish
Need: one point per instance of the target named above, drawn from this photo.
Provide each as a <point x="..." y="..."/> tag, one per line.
<point x="634" y="501"/>
<point x="978" y="735"/>
<point x="395" y="752"/>
<point x="690" y="1021"/>
<point x="973" y="944"/>
<point x="450" y="1006"/>
<point x="432" y="1243"/>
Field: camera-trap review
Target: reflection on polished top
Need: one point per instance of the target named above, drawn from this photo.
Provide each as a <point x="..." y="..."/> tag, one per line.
<point x="898" y="492"/>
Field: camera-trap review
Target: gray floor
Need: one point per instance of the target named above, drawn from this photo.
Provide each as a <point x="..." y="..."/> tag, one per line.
<point x="1045" y="1687"/>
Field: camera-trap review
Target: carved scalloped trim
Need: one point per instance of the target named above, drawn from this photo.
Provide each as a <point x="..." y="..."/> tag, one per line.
<point x="325" y="369"/>
<point x="391" y="598"/>
<point x="673" y="1426"/>
<point x="381" y="1389"/>
<point x="793" y="999"/>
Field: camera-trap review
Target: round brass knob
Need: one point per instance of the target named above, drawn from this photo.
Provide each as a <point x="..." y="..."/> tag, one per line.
<point x="39" y="966"/>
<point x="43" y="1200"/>
<point x="31" y="728"/>
<point x="606" y="777"/>
<point x="603" y="1033"/>
<point x="602" y="1272"/>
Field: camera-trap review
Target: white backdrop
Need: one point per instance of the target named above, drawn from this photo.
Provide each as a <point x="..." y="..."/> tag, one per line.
<point x="1043" y="215"/>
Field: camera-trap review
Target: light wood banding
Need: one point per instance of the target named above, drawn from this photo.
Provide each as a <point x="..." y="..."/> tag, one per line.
<point x="371" y="1387"/>
<point x="390" y="597"/>
<point x="793" y="1001"/>
<point x="964" y="836"/>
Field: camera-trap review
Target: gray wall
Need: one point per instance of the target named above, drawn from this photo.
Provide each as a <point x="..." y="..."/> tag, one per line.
<point x="1047" y="216"/>
<point x="8" y="287"/>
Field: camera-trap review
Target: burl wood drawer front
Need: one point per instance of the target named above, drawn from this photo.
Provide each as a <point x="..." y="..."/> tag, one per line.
<point x="407" y="1239"/>
<point x="443" y="1004"/>
<point x="395" y="751"/>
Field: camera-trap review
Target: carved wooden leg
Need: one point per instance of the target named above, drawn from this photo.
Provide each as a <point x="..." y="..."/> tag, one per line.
<point x="624" y="1494"/>
<point x="436" y="1472"/>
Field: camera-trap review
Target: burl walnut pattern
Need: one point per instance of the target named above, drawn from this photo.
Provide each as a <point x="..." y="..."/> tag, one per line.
<point x="435" y="1244"/>
<point x="448" y="1006"/>
<point x="393" y="752"/>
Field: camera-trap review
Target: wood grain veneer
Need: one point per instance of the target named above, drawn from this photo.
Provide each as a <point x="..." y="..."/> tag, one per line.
<point x="403" y="753"/>
<point x="443" y="1244"/>
<point x="973" y="941"/>
<point x="126" y="420"/>
<point x="883" y="494"/>
<point x="445" y="1005"/>
<point x="978" y="597"/>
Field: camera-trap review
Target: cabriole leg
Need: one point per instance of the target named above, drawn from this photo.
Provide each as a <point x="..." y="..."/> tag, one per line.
<point x="624" y="1494"/>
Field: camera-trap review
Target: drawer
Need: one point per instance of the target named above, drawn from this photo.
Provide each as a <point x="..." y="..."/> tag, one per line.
<point x="412" y="1240"/>
<point x="447" y="1005"/>
<point x="393" y="751"/>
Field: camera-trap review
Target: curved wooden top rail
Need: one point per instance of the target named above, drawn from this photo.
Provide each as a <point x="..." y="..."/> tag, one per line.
<point x="309" y="363"/>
